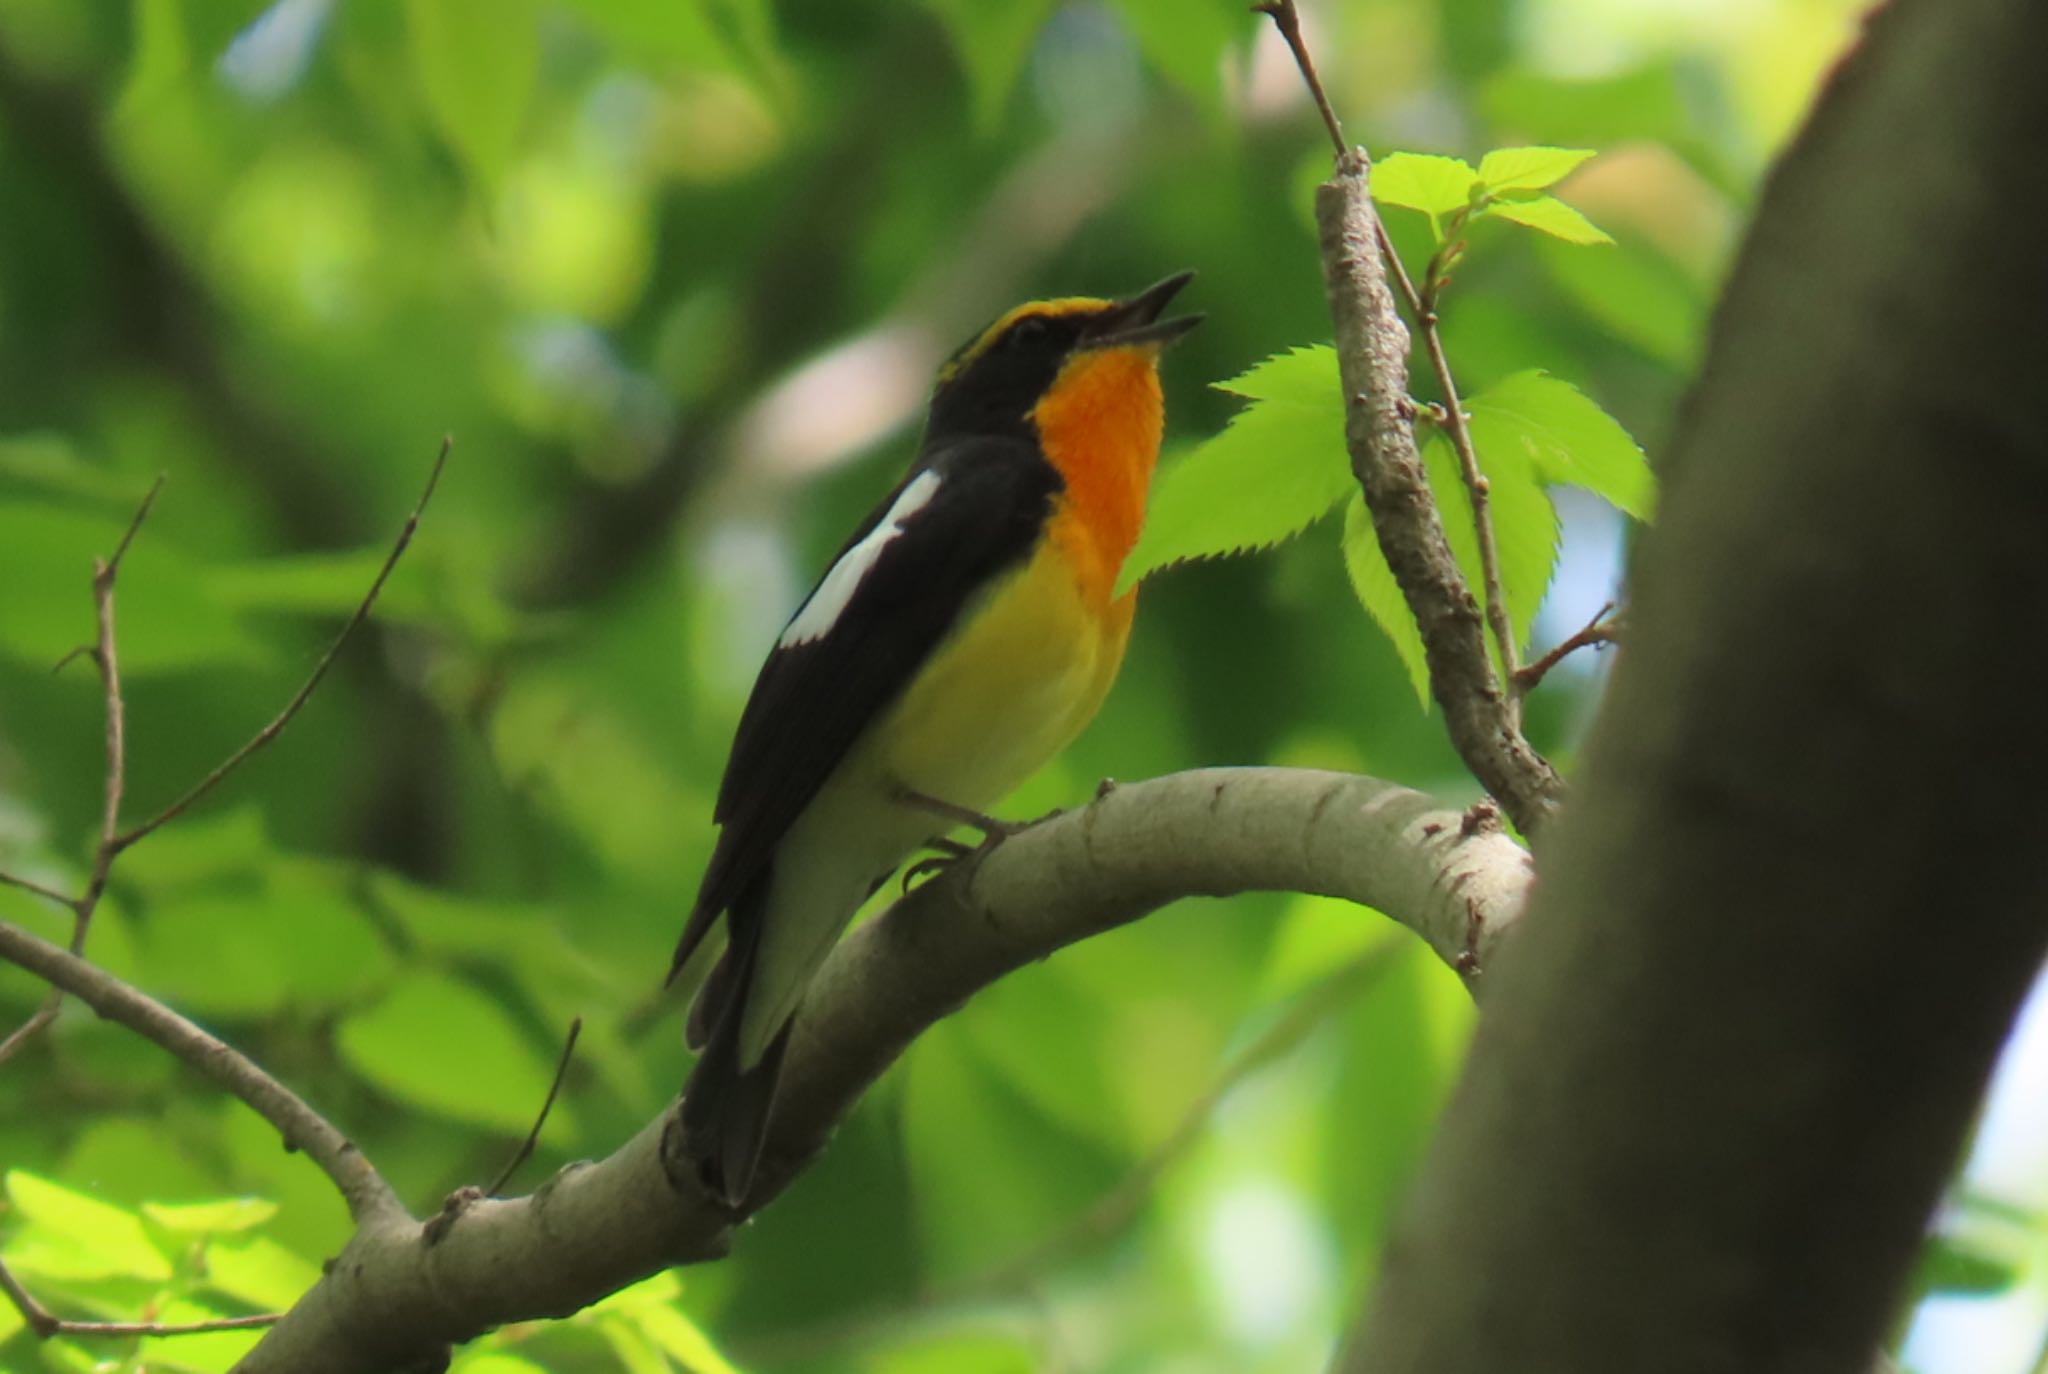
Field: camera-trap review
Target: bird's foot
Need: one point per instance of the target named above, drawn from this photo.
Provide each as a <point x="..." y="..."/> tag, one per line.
<point x="993" y="829"/>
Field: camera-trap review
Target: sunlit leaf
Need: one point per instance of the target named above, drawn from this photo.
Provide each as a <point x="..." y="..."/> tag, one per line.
<point x="96" y="1239"/>
<point x="1424" y="181"/>
<point x="259" y="1271"/>
<point x="477" y="61"/>
<point x="1568" y="437"/>
<point x="1380" y="594"/>
<point x="211" y="1218"/>
<point x="443" y="1046"/>
<point x="1278" y="467"/>
<point x="976" y="1352"/>
<point x="1971" y="1266"/>
<point x="493" y="1362"/>
<point x="1529" y="169"/>
<point x="1553" y="217"/>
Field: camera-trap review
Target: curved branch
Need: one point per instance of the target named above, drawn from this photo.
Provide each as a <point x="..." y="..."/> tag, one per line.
<point x="303" y="1128"/>
<point x="395" y="1294"/>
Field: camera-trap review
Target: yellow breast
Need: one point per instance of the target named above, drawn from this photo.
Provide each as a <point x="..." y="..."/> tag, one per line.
<point x="1025" y="672"/>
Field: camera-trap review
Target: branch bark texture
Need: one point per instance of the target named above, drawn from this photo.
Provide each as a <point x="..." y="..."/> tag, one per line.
<point x="1379" y="431"/>
<point x="1798" y="896"/>
<point x="395" y="1296"/>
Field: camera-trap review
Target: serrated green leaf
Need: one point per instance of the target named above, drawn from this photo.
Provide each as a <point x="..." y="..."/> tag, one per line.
<point x="1529" y="169"/>
<point x="94" y="1239"/>
<point x="1568" y="437"/>
<point x="443" y="1046"/>
<point x="477" y="62"/>
<point x="1373" y="582"/>
<point x="993" y="41"/>
<point x="211" y="1218"/>
<point x="635" y="1353"/>
<point x="1553" y="217"/>
<point x="1427" y="182"/>
<point x="1277" y="468"/>
<point x="676" y="1336"/>
<point x="259" y="1271"/>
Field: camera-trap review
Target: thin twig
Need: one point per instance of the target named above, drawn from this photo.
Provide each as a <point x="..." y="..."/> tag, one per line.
<point x="1286" y="19"/>
<point x="31" y="885"/>
<point x="1598" y="630"/>
<point x="526" y="1147"/>
<point x="284" y="717"/>
<point x="46" y="1323"/>
<point x="105" y="652"/>
<point x="303" y="1128"/>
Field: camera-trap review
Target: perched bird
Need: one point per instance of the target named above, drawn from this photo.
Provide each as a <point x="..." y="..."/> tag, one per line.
<point x="962" y="637"/>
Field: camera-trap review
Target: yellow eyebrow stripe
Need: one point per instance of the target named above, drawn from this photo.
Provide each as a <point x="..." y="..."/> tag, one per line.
<point x="1065" y="305"/>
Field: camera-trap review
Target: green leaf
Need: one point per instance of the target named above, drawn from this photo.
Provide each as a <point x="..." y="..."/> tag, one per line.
<point x="1277" y="468"/>
<point x="993" y="41"/>
<point x="1424" y="181"/>
<point x="167" y="621"/>
<point x="962" y="1352"/>
<point x="1529" y="169"/>
<point x="1373" y="581"/>
<point x="211" y="1218"/>
<point x="649" y="1305"/>
<point x="1568" y="437"/>
<point x="259" y="1272"/>
<point x="299" y="943"/>
<point x="86" y="1238"/>
<point x="493" y="1362"/>
<point x="477" y="60"/>
<point x="1553" y="217"/>
<point x="1637" y="294"/>
<point x="988" y="1173"/>
<point x="441" y="1045"/>
<point x="1970" y="1267"/>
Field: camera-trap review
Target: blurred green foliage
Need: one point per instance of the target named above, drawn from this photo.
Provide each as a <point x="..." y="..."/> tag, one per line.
<point x="676" y="275"/>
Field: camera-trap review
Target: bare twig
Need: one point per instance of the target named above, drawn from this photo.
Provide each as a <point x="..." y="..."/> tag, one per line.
<point x="30" y="885"/>
<point x="291" y="709"/>
<point x="1286" y="19"/>
<point x="1599" y="630"/>
<point x="105" y="652"/>
<point x="46" y="1323"/>
<point x="303" y="1128"/>
<point x="526" y="1147"/>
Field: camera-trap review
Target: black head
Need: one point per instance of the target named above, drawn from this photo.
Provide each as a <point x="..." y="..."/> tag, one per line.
<point x="991" y="384"/>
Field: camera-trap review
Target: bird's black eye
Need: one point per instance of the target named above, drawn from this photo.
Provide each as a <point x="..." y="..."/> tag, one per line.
<point x="1028" y="332"/>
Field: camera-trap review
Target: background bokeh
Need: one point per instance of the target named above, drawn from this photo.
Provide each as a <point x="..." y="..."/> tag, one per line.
<point x="676" y="275"/>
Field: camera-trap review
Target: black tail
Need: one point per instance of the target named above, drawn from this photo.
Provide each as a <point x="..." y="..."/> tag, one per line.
<point x="725" y="1106"/>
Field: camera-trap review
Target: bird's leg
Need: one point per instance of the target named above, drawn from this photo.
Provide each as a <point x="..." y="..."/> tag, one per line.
<point x="993" y="832"/>
<point x="991" y="828"/>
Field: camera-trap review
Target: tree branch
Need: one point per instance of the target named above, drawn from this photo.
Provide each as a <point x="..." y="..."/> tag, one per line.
<point x="105" y="652"/>
<point x="1798" y="899"/>
<point x="366" y="1193"/>
<point x="45" y="1323"/>
<point x="1372" y="347"/>
<point x="391" y="1298"/>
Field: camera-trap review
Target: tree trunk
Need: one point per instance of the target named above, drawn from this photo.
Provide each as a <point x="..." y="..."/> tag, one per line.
<point x="1799" y="893"/>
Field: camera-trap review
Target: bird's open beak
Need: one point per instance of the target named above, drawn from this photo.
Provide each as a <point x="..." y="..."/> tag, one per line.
<point x="1136" y="319"/>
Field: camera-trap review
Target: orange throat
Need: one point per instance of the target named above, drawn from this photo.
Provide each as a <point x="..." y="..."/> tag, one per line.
<point x="1100" y="425"/>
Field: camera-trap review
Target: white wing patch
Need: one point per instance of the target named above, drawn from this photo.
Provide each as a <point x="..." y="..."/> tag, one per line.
<point x="818" y="615"/>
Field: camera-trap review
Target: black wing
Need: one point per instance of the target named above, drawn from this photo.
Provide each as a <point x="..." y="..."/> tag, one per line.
<point x="813" y="699"/>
